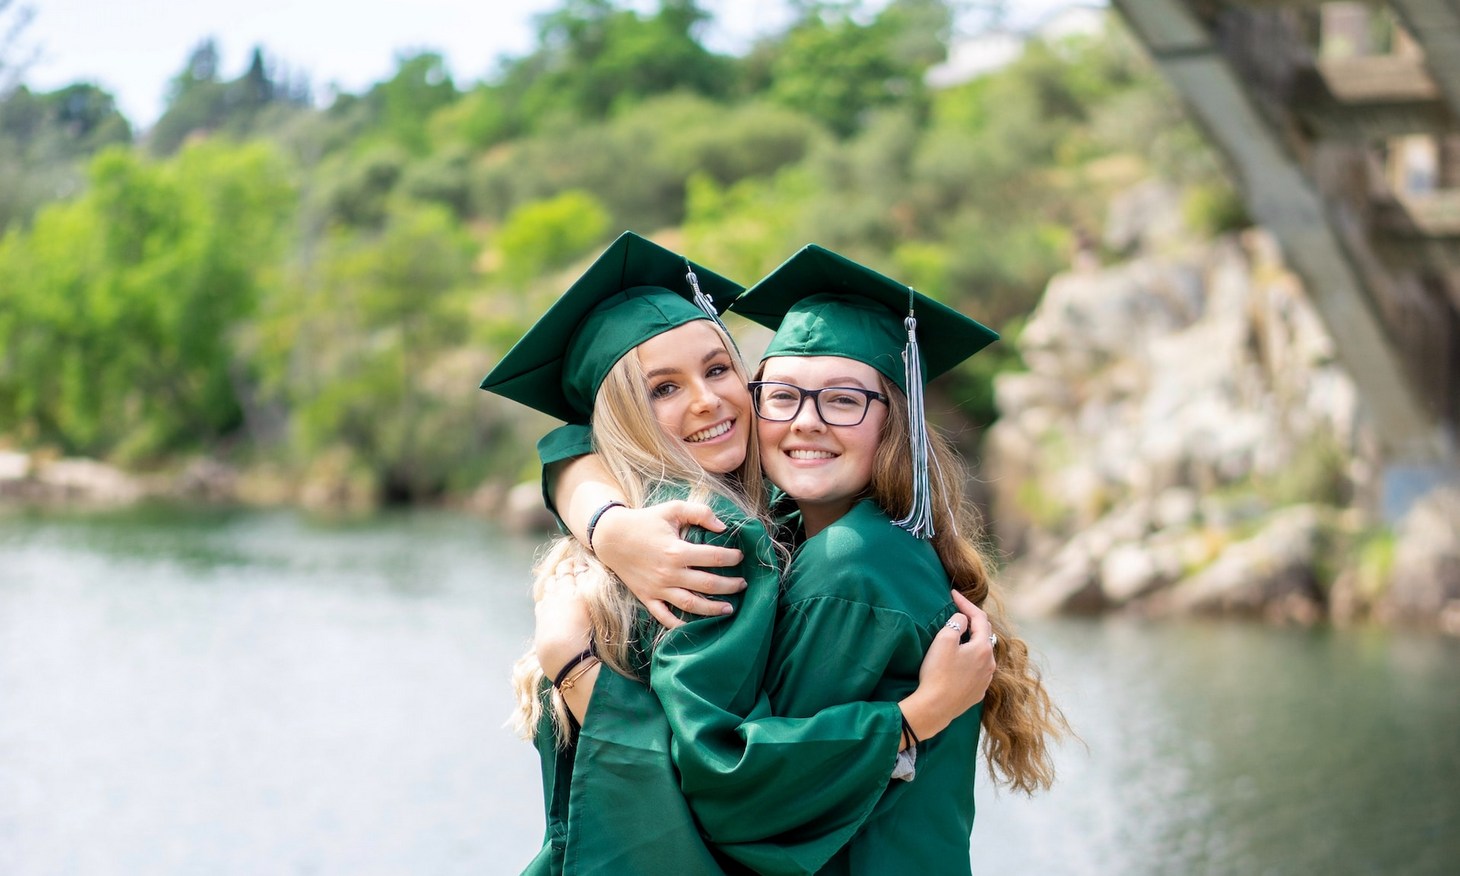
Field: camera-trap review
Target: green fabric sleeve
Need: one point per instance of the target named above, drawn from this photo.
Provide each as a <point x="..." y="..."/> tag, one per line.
<point x="805" y="675"/>
<point x="560" y="445"/>
<point x="565" y="442"/>
<point x="626" y="813"/>
<point x="778" y="793"/>
<point x="557" y="777"/>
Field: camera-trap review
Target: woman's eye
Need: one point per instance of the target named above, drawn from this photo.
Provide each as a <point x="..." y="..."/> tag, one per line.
<point x="717" y="371"/>
<point x="663" y="390"/>
<point x="843" y="399"/>
<point x="780" y="395"/>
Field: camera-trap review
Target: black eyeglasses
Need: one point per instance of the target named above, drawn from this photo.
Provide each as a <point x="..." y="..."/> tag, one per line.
<point x="836" y="405"/>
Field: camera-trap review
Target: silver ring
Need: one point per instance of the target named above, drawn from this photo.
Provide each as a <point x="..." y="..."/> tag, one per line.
<point x="993" y="639"/>
<point x="953" y="625"/>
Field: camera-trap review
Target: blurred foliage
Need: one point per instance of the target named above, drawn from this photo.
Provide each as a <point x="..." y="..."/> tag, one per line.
<point x="45" y="140"/>
<point x="543" y="235"/>
<point x="16" y="52"/>
<point x="201" y="104"/>
<point x="119" y="306"/>
<point x="1214" y="207"/>
<point x="594" y="57"/>
<point x="346" y="342"/>
<point x="325" y="286"/>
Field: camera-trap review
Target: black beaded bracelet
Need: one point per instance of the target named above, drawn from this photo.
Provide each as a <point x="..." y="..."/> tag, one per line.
<point x="593" y="521"/>
<point x="571" y="664"/>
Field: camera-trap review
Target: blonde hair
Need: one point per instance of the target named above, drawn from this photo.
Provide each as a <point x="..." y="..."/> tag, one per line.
<point x="1020" y="721"/>
<point x="643" y="460"/>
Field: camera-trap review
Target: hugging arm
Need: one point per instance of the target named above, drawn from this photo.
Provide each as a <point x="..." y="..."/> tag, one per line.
<point x="775" y="792"/>
<point x="643" y="546"/>
<point x="778" y="789"/>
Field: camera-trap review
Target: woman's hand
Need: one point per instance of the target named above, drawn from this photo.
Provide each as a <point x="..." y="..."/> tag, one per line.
<point x="955" y="675"/>
<point x="563" y="628"/>
<point x="644" y="548"/>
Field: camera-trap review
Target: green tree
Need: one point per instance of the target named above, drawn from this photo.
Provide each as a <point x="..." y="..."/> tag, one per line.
<point x="45" y="140"/>
<point x="661" y="142"/>
<point x="201" y="103"/>
<point x="121" y="303"/>
<point x="836" y="69"/>
<point x="593" y="57"/>
<point x="420" y="87"/>
<point x="481" y="118"/>
<point x="544" y="235"/>
<point x="357" y="189"/>
<point x="347" y="346"/>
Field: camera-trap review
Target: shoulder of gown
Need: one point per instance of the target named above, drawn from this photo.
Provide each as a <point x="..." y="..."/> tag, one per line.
<point x="863" y="557"/>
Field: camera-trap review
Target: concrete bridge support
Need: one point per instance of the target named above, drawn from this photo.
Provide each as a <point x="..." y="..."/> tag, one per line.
<point x="1305" y="137"/>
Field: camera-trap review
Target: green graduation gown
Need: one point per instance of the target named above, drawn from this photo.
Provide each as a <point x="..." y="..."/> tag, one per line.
<point x="612" y="796"/>
<point x="799" y="788"/>
<point x="863" y="601"/>
<point x="775" y="791"/>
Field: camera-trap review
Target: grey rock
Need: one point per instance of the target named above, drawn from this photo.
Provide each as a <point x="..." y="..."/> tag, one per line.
<point x="1274" y="568"/>
<point x="1128" y="571"/>
<point x="1070" y="584"/>
<point x="88" y="480"/>
<point x="1176" y="506"/>
<point x="14" y="466"/>
<point x="1425" y="581"/>
<point x="1144" y="217"/>
<point x="523" y="511"/>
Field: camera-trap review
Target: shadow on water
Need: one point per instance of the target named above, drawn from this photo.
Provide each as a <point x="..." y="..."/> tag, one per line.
<point x="213" y="691"/>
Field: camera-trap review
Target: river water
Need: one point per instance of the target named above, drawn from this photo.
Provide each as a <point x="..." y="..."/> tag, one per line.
<point x="216" y="692"/>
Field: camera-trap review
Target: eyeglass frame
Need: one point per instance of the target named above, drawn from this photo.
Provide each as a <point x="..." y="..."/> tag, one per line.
<point x="815" y="396"/>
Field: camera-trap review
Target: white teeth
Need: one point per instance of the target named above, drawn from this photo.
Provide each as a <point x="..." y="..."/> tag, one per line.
<point x="712" y="432"/>
<point x="811" y="454"/>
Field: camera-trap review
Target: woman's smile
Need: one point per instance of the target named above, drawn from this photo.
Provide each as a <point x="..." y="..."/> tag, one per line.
<point x="809" y="455"/>
<point x="718" y="431"/>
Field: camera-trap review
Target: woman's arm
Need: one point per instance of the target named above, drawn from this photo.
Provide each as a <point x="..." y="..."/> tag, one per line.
<point x="643" y="546"/>
<point x="953" y="678"/>
<point x="852" y="626"/>
<point x="955" y="673"/>
<point x="562" y="631"/>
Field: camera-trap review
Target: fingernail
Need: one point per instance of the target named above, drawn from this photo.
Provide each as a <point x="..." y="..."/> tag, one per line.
<point x="728" y="609"/>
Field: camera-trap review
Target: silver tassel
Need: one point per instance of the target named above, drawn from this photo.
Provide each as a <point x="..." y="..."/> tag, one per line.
<point x="705" y="303"/>
<point x="919" y="519"/>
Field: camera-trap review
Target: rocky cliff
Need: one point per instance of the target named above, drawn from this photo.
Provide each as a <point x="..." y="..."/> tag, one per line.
<point x="1184" y="441"/>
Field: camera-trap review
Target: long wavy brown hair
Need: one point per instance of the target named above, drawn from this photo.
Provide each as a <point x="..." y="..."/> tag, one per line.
<point x="1020" y="721"/>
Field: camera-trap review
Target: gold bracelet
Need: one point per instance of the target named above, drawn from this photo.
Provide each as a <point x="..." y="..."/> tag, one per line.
<point x="571" y="680"/>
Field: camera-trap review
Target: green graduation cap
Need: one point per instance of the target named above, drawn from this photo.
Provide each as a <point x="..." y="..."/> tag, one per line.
<point x="824" y="304"/>
<point x="633" y="292"/>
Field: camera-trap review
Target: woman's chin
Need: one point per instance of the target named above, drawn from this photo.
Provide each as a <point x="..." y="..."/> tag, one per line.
<point x="719" y="461"/>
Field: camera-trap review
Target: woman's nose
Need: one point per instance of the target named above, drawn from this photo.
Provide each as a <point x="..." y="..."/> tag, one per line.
<point x="808" y="419"/>
<point x="703" y="397"/>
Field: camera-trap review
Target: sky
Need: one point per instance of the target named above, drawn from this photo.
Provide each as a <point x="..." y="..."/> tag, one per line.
<point x="132" y="48"/>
